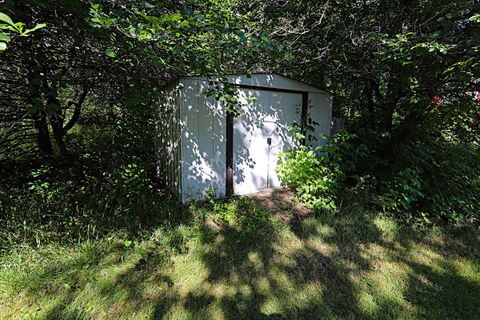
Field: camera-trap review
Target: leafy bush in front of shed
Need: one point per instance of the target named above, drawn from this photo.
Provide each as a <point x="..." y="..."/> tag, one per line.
<point x="306" y="173"/>
<point x="422" y="181"/>
<point x="317" y="176"/>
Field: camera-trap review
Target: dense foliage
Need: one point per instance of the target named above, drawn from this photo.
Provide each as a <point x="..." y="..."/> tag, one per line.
<point x="386" y="61"/>
<point x="86" y="230"/>
<point x="429" y="181"/>
<point x="78" y="107"/>
<point x="317" y="175"/>
<point x="405" y="76"/>
<point x="80" y="83"/>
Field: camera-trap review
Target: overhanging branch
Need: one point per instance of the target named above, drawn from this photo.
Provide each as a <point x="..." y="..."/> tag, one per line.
<point x="76" y="111"/>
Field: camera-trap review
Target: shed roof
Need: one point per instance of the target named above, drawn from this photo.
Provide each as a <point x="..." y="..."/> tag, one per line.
<point x="266" y="80"/>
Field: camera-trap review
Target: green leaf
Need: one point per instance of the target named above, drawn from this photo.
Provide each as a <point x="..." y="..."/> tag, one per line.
<point x="475" y="18"/>
<point x="110" y="53"/>
<point x="184" y="23"/>
<point x="33" y="109"/>
<point x="3" y="46"/>
<point x="4" y="37"/>
<point x="158" y="62"/>
<point x="19" y="27"/>
<point x="7" y="19"/>
<point x="38" y="26"/>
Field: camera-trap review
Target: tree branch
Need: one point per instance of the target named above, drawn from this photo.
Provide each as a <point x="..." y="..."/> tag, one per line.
<point x="76" y="111"/>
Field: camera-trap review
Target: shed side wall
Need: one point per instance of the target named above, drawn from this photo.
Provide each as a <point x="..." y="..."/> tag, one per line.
<point x="320" y="112"/>
<point x="203" y="141"/>
<point x="169" y="140"/>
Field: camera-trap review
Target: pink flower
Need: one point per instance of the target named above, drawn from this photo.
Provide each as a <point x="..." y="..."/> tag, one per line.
<point x="437" y="101"/>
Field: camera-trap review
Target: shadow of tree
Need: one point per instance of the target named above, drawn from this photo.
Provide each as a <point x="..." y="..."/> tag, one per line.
<point x="346" y="266"/>
<point x="334" y="265"/>
<point x="119" y="280"/>
<point x="234" y="254"/>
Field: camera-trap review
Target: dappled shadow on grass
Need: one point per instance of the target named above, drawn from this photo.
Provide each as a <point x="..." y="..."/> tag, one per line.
<point x="359" y="267"/>
<point x="260" y="271"/>
<point x="348" y="266"/>
<point x="102" y="280"/>
<point x="237" y="260"/>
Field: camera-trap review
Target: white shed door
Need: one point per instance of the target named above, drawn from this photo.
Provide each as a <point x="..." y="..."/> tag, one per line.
<point x="260" y="133"/>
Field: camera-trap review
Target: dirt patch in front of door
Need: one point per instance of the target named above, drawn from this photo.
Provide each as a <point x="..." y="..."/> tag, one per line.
<point x="280" y="203"/>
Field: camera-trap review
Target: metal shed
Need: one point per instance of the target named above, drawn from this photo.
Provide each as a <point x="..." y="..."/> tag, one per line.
<point x="202" y="149"/>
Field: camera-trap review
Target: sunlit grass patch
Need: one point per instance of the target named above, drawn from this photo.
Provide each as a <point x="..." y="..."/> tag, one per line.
<point x="327" y="267"/>
<point x="82" y="280"/>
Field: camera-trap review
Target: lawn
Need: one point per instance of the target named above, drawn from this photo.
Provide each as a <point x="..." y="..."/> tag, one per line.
<point x="355" y="265"/>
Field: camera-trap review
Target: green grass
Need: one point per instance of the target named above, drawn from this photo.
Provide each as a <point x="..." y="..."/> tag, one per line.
<point x="353" y="266"/>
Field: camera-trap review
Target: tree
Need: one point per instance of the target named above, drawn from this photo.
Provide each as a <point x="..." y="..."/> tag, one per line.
<point x="385" y="60"/>
<point x="113" y="52"/>
<point x="50" y="76"/>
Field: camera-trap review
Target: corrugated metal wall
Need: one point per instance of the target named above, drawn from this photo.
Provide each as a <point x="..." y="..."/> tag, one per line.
<point x="320" y="112"/>
<point x="169" y="140"/>
<point x="203" y="141"/>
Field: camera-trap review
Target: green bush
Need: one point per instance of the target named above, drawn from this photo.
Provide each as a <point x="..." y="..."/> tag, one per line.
<point x="317" y="175"/>
<point x="308" y="175"/>
<point x="402" y="191"/>
<point x="78" y="209"/>
<point x="103" y="188"/>
<point x="441" y="179"/>
<point x="423" y="180"/>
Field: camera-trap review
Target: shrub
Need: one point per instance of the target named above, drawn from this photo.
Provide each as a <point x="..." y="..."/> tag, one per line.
<point x="308" y="175"/>
<point x="427" y="179"/>
<point x="317" y="175"/>
<point x="443" y="179"/>
<point x="402" y="191"/>
<point x="103" y="188"/>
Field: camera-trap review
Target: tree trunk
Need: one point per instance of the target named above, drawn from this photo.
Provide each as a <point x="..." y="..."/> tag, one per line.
<point x="368" y="90"/>
<point x="43" y="136"/>
<point x="56" y="122"/>
<point x="388" y="117"/>
<point x="34" y="99"/>
<point x="394" y="92"/>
